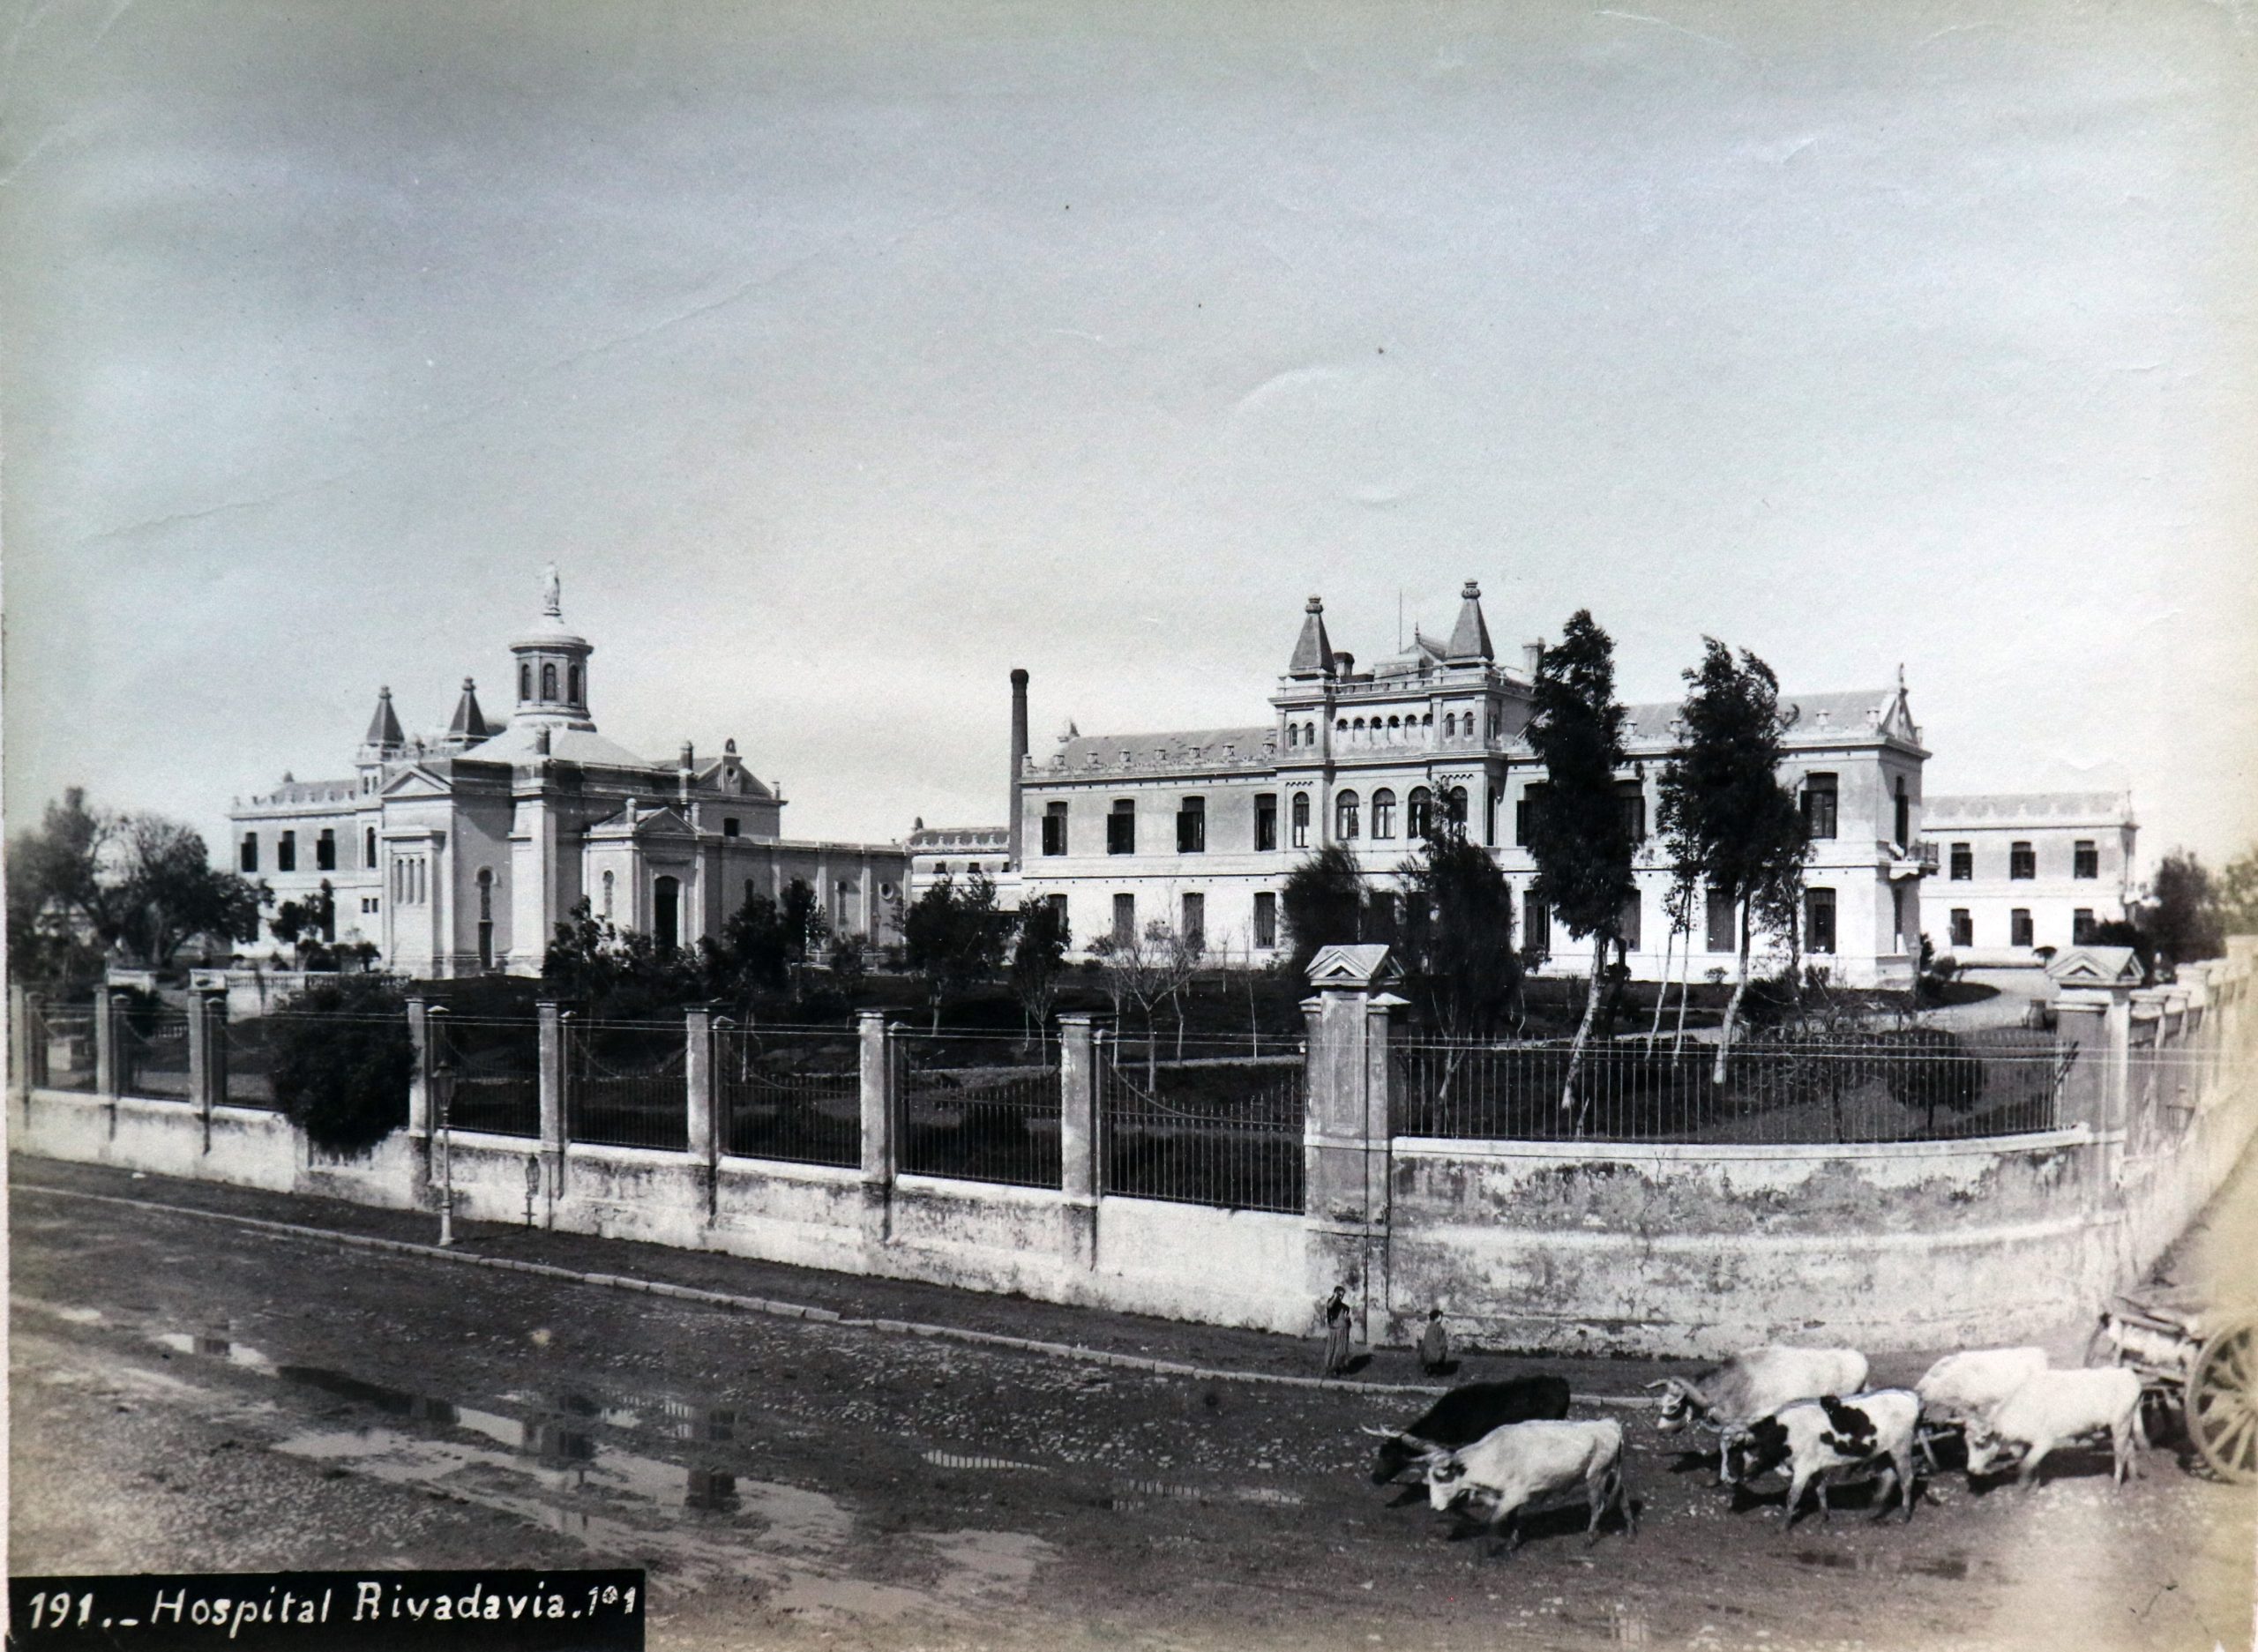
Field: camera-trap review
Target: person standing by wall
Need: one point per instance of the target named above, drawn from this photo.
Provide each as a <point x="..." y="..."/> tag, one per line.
<point x="1334" y="1310"/>
<point x="1434" y="1344"/>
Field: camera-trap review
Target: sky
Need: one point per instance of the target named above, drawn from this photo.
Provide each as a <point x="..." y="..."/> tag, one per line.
<point x="843" y="358"/>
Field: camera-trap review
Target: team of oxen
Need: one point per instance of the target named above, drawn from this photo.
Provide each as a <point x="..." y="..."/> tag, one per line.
<point x="1494" y="1450"/>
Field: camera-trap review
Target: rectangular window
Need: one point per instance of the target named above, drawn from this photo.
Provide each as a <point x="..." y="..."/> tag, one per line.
<point x="1964" y="927"/>
<point x="2023" y="864"/>
<point x="1265" y="820"/>
<point x="1535" y="926"/>
<point x="1121" y="828"/>
<point x="1489" y="817"/>
<point x="1631" y="798"/>
<point x="728" y="825"/>
<point x="1125" y="920"/>
<point x="249" y="860"/>
<point x="1819" y="806"/>
<point x="1058" y="904"/>
<point x="285" y="853"/>
<point x="369" y="850"/>
<point x="325" y="851"/>
<point x="2019" y="927"/>
<point x="1265" y="918"/>
<point x="1531" y="799"/>
<point x="1054" y="828"/>
<point x="2085" y="860"/>
<point x="1629" y="925"/>
<point x="1191" y="827"/>
<point x="1964" y="863"/>
<point x="1819" y="920"/>
<point x="1195" y="919"/>
<point x="1723" y="921"/>
<point x="2081" y="927"/>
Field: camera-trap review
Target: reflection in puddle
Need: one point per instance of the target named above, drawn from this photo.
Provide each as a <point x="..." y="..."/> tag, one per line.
<point x="962" y="1460"/>
<point x="217" y="1348"/>
<point x="1624" y="1627"/>
<point x="1954" y="1567"/>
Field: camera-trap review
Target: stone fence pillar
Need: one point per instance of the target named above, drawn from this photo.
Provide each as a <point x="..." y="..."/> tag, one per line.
<point x="23" y="1067"/>
<point x="704" y="1137"/>
<point x="1346" y="1129"/>
<point x="207" y="1053"/>
<point x="108" y="1080"/>
<point x="427" y="1039"/>
<point x="881" y="1124"/>
<point x="552" y="1069"/>
<point x="1078" y="1178"/>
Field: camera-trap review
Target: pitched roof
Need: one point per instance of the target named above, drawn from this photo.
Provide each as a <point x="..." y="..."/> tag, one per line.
<point x="2060" y="808"/>
<point x="1314" y="652"/>
<point x="1200" y="748"/>
<point x="383" y="728"/>
<point x="469" y="722"/>
<point x="1856" y="713"/>
<point x="1470" y="638"/>
<point x="515" y="744"/>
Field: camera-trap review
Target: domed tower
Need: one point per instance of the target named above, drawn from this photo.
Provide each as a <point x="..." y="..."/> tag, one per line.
<point x="552" y="669"/>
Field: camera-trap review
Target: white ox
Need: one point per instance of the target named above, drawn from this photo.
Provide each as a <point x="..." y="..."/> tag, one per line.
<point x="1522" y="1464"/>
<point x="1965" y="1387"/>
<point x="2053" y="1408"/>
<point x="1753" y="1384"/>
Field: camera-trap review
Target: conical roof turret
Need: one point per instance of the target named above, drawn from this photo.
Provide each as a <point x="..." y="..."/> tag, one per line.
<point x="385" y="735"/>
<point x="470" y="725"/>
<point x="1313" y="654"/>
<point x="1470" y="638"/>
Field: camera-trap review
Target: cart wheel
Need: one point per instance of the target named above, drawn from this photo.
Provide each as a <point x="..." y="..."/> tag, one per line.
<point x="2223" y="1403"/>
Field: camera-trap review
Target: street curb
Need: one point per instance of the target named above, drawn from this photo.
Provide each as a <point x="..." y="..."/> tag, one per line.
<point x="770" y="1308"/>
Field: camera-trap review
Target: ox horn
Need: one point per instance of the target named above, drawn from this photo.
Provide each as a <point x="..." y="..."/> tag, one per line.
<point x="1664" y="1383"/>
<point x="1377" y="1433"/>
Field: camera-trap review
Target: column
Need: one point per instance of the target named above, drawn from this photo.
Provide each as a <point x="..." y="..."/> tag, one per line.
<point x="704" y="1141"/>
<point x="1077" y="1135"/>
<point x="1346" y="1133"/>
<point x="427" y="1041"/>
<point x="881" y="1136"/>
<point x="552" y="1104"/>
<point x="108" y="1077"/>
<point x="207" y="1051"/>
<point x="22" y="1069"/>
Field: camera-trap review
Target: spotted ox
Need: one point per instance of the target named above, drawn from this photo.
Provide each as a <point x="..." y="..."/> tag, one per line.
<point x="1831" y="1439"/>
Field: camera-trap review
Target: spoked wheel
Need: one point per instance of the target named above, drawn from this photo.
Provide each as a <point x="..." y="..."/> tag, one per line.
<point x="2223" y="1403"/>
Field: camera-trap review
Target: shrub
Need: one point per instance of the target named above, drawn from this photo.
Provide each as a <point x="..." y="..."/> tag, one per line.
<point x="342" y="1062"/>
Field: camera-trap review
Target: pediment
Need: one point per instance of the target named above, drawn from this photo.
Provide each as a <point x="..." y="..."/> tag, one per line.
<point x="2096" y="966"/>
<point x="414" y="781"/>
<point x="1363" y="965"/>
<point x="655" y="823"/>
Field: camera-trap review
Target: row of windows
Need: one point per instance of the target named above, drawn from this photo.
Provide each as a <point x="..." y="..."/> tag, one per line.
<point x="286" y="851"/>
<point x="2020" y="932"/>
<point x="548" y="683"/>
<point x="410" y="881"/>
<point x="2022" y="862"/>
<point x="1191" y="918"/>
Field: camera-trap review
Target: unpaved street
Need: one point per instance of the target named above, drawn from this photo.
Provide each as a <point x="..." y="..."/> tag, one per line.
<point x="191" y="1394"/>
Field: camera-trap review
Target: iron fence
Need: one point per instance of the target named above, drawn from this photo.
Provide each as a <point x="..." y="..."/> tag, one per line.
<point x="61" y="1053"/>
<point x="496" y="1071"/>
<point x="153" y="1054"/>
<point x="992" y="1120"/>
<point x="1917" y="1086"/>
<point x="625" y="1084"/>
<point x="789" y="1093"/>
<point x="1223" y="1130"/>
<point x="246" y="1064"/>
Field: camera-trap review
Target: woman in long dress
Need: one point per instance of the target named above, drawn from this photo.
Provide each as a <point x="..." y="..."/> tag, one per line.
<point x="1336" y="1331"/>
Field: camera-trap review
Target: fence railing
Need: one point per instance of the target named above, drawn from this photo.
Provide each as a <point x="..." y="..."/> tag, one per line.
<point x="794" y="1095"/>
<point x="246" y="1064"/>
<point x="980" y="1121"/>
<point x="625" y="1084"/>
<point x="1919" y="1087"/>
<point x="62" y="1053"/>
<point x="1224" y="1131"/>
<point x="496" y="1071"/>
<point x="153" y="1055"/>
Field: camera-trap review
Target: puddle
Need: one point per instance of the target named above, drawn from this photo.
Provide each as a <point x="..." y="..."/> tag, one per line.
<point x="217" y="1348"/>
<point x="1952" y="1567"/>
<point x="961" y="1459"/>
<point x="1136" y="1494"/>
<point x="61" y="1311"/>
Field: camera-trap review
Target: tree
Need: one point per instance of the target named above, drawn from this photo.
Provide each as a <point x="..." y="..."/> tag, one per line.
<point x="1149" y="966"/>
<point x="752" y="954"/>
<point x="1579" y="838"/>
<point x="342" y="1062"/>
<point x="305" y="926"/>
<point x="1740" y="831"/>
<point x="954" y="937"/>
<point x="2237" y="894"/>
<point x="1326" y="903"/>
<point x="619" y="973"/>
<point x="1457" y="937"/>
<point x="1039" y="958"/>
<point x="2182" y="916"/>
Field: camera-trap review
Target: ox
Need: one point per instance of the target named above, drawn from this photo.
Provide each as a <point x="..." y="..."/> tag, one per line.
<point x="1962" y="1388"/>
<point x="2053" y="1408"/>
<point x="1831" y="1439"/>
<point x="1463" y="1416"/>
<point x="1756" y="1384"/>
<point x="1510" y="1468"/>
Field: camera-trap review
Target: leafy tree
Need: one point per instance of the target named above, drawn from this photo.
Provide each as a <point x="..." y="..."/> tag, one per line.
<point x="1457" y="936"/>
<point x="752" y="954"/>
<point x="1740" y="829"/>
<point x="2236" y="894"/>
<point x="2182" y="916"/>
<point x="953" y="938"/>
<point x="1326" y="903"/>
<point x="619" y="973"/>
<point x="850" y="966"/>
<point x="2123" y="932"/>
<point x="1579" y="839"/>
<point x="305" y="926"/>
<point x="1039" y="959"/>
<point x="342" y="1062"/>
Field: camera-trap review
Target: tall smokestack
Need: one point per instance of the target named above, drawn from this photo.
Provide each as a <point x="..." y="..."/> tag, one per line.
<point x="1019" y="756"/>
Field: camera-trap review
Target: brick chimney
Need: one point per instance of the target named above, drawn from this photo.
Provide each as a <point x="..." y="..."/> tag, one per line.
<point x="1018" y="757"/>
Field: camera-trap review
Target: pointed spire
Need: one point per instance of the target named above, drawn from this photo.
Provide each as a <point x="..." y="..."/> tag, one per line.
<point x="1470" y="638"/>
<point x="1313" y="654"/>
<point x="469" y="725"/>
<point x="384" y="729"/>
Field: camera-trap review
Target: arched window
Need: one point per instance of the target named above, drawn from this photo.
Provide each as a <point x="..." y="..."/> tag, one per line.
<point x="1394" y="727"/>
<point x="485" y="918"/>
<point x="607" y="897"/>
<point x="1383" y="813"/>
<point x="1450" y="725"/>
<point x="368" y="848"/>
<point x="1293" y="736"/>
<point x="1341" y="727"/>
<point x="1301" y="820"/>
<point x="525" y="682"/>
<point x="1423" y="820"/>
<point x="1358" y="728"/>
<point x="572" y="679"/>
<point x="1454" y="805"/>
<point x="548" y="681"/>
<point x="665" y="926"/>
<point x="1345" y="815"/>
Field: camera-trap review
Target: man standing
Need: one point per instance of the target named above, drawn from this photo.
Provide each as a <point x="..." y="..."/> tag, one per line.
<point x="1336" y="1331"/>
<point x="1434" y="1344"/>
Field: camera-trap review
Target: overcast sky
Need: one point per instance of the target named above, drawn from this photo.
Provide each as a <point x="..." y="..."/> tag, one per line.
<point x="844" y="357"/>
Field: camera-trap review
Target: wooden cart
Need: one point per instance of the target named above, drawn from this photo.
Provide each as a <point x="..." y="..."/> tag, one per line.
<point x="2197" y="1360"/>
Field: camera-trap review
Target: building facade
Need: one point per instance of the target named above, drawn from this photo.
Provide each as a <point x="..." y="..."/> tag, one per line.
<point x="2028" y="874"/>
<point x="1201" y="827"/>
<point x="459" y="853"/>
